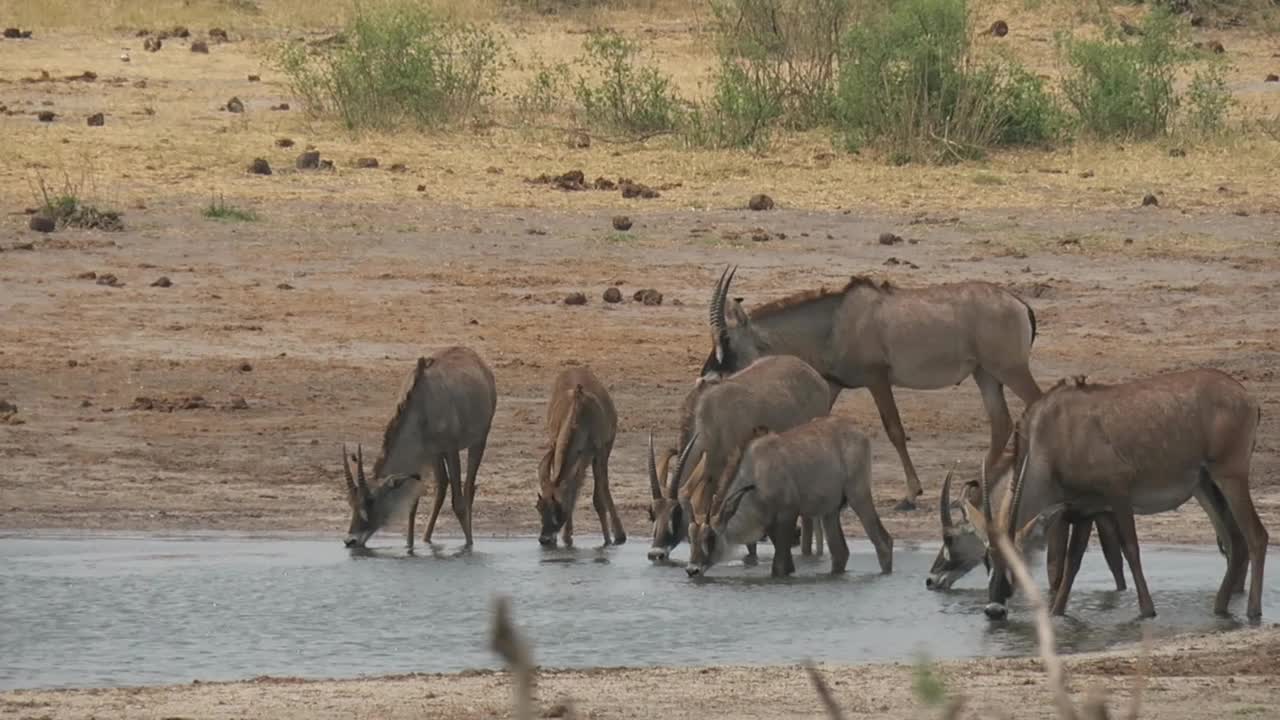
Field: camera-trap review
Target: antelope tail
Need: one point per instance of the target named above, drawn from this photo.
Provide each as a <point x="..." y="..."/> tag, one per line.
<point x="568" y="424"/>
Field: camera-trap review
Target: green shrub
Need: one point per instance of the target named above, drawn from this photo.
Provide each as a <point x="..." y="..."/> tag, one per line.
<point x="397" y="65"/>
<point x="909" y="82"/>
<point x="624" y="94"/>
<point x="546" y="92"/>
<point x="739" y="114"/>
<point x="67" y="207"/>
<point x="1208" y="99"/>
<point x="1121" y="86"/>
<point x="218" y="209"/>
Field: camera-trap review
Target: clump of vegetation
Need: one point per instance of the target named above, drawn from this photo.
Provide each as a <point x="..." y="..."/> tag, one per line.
<point x="395" y="65"/>
<point x="622" y="93"/>
<point x="546" y="92"/>
<point x="910" y="83"/>
<point x="218" y="209"/>
<point x="67" y="208"/>
<point x="1208" y="99"/>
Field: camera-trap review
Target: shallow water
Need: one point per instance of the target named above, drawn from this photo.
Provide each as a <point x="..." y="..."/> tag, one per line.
<point x="104" y="610"/>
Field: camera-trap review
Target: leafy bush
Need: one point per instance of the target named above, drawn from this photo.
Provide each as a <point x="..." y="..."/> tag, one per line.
<point x="739" y="114"/>
<point x="397" y="65"/>
<point x="546" y="91"/>
<point x="624" y="94"/>
<point x="1209" y="99"/>
<point x="910" y="83"/>
<point x="1121" y="87"/>
<point x="218" y="209"/>
<point x="67" y="207"/>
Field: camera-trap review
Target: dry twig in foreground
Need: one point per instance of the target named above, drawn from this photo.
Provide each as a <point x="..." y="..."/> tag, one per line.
<point x="824" y="692"/>
<point x="507" y="642"/>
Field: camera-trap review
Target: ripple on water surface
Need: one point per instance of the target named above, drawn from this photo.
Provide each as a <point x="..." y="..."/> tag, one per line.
<point x="105" y="610"/>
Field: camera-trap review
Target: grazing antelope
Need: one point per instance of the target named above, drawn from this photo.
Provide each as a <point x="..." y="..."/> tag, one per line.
<point x="447" y="406"/>
<point x="1144" y="447"/>
<point x="779" y="391"/>
<point x="581" y="427"/>
<point x="812" y="470"/>
<point x="880" y="337"/>
<point x="965" y="545"/>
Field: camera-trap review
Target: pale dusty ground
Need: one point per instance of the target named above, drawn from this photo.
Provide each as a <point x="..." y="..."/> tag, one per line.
<point x="381" y="273"/>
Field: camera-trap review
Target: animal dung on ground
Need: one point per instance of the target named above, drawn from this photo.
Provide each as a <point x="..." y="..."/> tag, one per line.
<point x="281" y="107"/>
<point x="309" y="160"/>
<point x="255" y="78"/>
<point x="575" y="298"/>
<point x="14" y="33"/>
<point x="285" y="143"/>
<point x="613" y="295"/>
<point x="631" y="189"/>
<point x="888" y="238"/>
<point x="200" y="46"/>
<point x="152" y="44"/>
<point x="621" y="223"/>
<point x="162" y="282"/>
<point x="999" y="28"/>
<point x="234" y="105"/>
<point x="97" y="120"/>
<point x="237" y="403"/>
<point x="218" y="35"/>
<point x="42" y="224"/>
<point x="260" y="166"/>
<point x="1272" y="77"/>
<point x="1150" y="200"/>
<point x="46" y="116"/>
<point x="398" y="168"/>
<point x="366" y="163"/>
<point x="760" y="202"/>
<point x="648" y="296"/>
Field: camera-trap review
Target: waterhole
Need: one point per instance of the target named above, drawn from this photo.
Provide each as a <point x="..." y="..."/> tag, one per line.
<point x="108" y="610"/>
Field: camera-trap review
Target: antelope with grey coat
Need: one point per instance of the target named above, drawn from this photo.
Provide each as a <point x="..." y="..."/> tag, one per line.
<point x="880" y="337"/>
<point x="965" y="544"/>
<point x="447" y="406"/>
<point x="812" y="470"/>
<point x="779" y="391"/>
<point x="1140" y="447"/>
<point x="581" y="427"/>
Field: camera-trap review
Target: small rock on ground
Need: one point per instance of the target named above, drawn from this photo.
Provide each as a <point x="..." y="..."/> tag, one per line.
<point x="760" y="202"/>
<point x="309" y="160"/>
<point x="284" y="142"/>
<point x="260" y="166"/>
<point x="200" y="46"/>
<point x="235" y="105"/>
<point x="613" y="295"/>
<point x="621" y="222"/>
<point x="162" y="282"/>
<point x="999" y="28"/>
<point x="648" y="296"/>
<point x="43" y="224"/>
<point x="366" y="163"/>
<point x="45" y="116"/>
<point x="889" y="238"/>
<point x="97" y="120"/>
<point x="152" y="44"/>
<point x="575" y="298"/>
<point x="1150" y="200"/>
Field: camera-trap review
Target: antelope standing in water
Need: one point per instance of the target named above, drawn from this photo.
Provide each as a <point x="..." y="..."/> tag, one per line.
<point x="811" y="470"/>
<point x="447" y="406"/>
<point x="581" y="426"/>
<point x="778" y="391"/>
<point x="880" y="337"/>
<point x="1144" y="447"/>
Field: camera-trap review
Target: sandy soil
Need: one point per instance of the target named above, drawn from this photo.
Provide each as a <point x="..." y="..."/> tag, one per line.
<point x="313" y="314"/>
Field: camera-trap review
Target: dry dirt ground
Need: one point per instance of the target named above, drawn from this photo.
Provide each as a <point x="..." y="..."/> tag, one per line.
<point x="313" y="314"/>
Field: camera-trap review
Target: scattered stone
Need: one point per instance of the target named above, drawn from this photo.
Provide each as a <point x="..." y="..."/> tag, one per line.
<point x="24" y="246"/>
<point x="1150" y="200"/>
<point x="260" y="166"/>
<point x="281" y="107"/>
<point x="238" y="403"/>
<point x="494" y="170"/>
<point x="760" y="235"/>
<point x="1177" y="152"/>
<point x="648" y="296"/>
<point x="888" y="238"/>
<point x="86" y="76"/>
<point x="14" y="33"/>
<point x="97" y="120"/>
<point x="246" y="367"/>
<point x="162" y="282"/>
<point x="366" y="163"/>
<point x="140" y="84"/>
<point x="905" y="263"/>
<point x="760" y="202"/>
<point x="1272" y="77"/>
<point x="46" y="116"/>
<point x="309" y="160"/>
<point x="284" y="142"/>
<point x="422" y="188"/>
<point x="218" y="35"/>
<point x="632" y="189"/>
<point x="604" y="183"/>
<point x="87" y="275"/>
<point x="1086" y="174"/>
<point x="42" y="224"/>
<point x="613" y="295"/>
<point x="284" y="286"/>
<point x="191" y="402"/>
<point x="200" y="46"/>
<point x="109" y="280"/>
<point x="180" y="31"/>
<point x="621" y="223"/>
<point x="326" y="164"/>
<point x="234" y="105"/>
<point x="255" y="78"/>
<point x="578" y="140"/>
<point x="575" y="298"/>
<point x="7" y="408"/>
<point x="559" y="710"/>
<point x="398" y="168"/>
<point x="535" y="231"/>
<point x="999" y="28"/>
<point x="152" y="44"/>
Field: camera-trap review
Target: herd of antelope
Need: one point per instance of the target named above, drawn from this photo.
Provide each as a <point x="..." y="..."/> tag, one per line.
<point x="758" y="450"/>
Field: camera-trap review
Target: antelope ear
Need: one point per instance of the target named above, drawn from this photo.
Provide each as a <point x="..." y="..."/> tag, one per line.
<point x="1031" y="537"/>
<point x="737" y="315"/>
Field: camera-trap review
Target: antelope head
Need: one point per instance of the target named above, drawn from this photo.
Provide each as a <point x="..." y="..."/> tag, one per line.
<point x="549" y="507"/>
<point x="705" y="546"/>
<point x="707" y="542"/>
<point x="733" y="339"/>
<point x="371" y="508"/>
<point x="964" y="544"/>
<point x="665" y="511"/>
<point x="1026" y="539"/>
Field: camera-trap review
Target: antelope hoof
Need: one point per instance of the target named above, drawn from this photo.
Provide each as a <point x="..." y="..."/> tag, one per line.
<point x="693" y="570"/>
<point x="619" y="538"/>
<point x="905" y="505"/>
<point x="750" y="561"/>
<point x="547" y="542"/>
<point x="657" y="555"/>
<point x="996" y="611"/>
<point x="1147" y="614"/>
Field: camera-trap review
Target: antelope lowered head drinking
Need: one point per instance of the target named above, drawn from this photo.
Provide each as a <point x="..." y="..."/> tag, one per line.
<point x="372" y="508"/>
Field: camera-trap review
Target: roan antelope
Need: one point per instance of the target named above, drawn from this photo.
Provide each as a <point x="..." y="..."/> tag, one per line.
<point x="880" y="337"/>
<point x="447" y="406"/>
<point x="581" y="427"/>
<point x="812" y="470"/>
<point x="1145" y="447"/>
<point x="778" y="391"/>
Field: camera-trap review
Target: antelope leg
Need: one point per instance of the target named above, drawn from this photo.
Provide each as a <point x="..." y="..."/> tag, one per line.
<point x="1128" y="533"/>
<point x="442" y="486"/>
<point x="1107" y="538"/>
<point x="882" y="393"/>
<point x="1080" y="532"/>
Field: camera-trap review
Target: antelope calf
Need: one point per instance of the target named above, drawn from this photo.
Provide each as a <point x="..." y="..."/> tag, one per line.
<point x="581" y="427"/>
<point x="447" y="406"/>
<point x="1144" y="447"/>
<point x="813" y="471"/>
